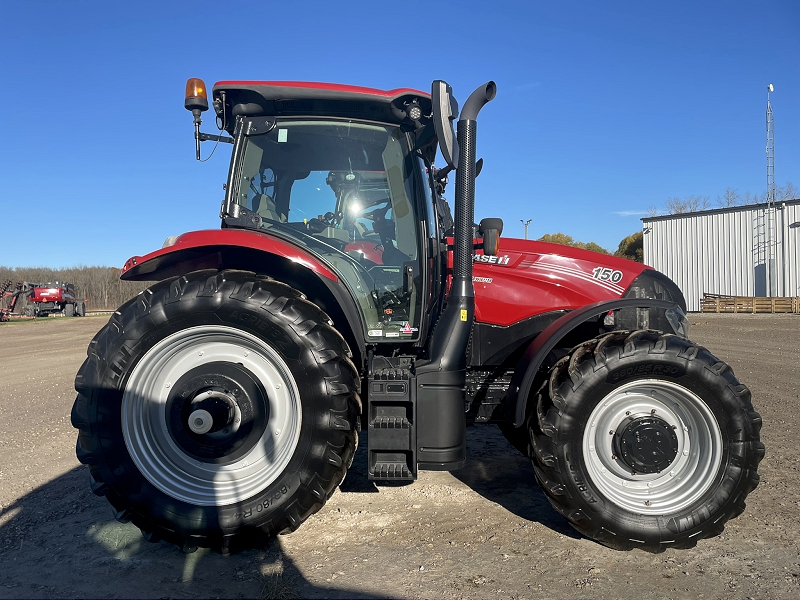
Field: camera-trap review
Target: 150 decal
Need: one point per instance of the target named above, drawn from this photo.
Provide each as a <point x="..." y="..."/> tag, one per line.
<point x="606" y="274"/>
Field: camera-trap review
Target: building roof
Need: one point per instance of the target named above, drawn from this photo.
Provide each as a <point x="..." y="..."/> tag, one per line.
<point x="713" y="211"/>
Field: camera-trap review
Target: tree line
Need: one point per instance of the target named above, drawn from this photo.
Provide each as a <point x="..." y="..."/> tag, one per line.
<point x="731" y="197"/>
<point x="101" y="287"/>
<point x="104" y="290"/>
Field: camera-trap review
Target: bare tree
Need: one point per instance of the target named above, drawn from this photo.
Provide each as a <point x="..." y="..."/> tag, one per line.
<point x="730" y="198"/>
<point x="677" y="206"/>
<point x="788" y="192"/>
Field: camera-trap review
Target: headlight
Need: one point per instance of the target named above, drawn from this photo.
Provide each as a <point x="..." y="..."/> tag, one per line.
<point x="652" y="284"/>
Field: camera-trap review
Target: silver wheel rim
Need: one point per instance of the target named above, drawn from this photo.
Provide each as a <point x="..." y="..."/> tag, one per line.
<point x="163" y="462"/>
<point x="691" y="472"/>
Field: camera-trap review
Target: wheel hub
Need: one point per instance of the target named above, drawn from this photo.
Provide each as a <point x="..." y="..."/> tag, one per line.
<point x="213" y="410"/>
<point x="646" y="444"/>
<point x="217" y="411"/>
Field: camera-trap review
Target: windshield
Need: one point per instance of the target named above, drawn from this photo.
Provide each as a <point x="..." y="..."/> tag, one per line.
<point x="344" y="190"/>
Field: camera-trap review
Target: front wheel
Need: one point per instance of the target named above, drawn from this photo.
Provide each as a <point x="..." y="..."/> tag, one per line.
<point x="644" y="440"/>
<point x="216" y="409"/>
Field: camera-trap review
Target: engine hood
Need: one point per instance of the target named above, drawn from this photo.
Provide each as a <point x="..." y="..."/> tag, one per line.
<point x="528" y="278"/>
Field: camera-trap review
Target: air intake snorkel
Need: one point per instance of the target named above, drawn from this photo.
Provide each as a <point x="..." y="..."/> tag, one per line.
<point x="441" y="380"/>
<point x="451" y="336"/>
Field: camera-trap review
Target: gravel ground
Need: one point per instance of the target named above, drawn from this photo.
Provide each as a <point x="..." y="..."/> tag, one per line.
<point x="485" y="531"/>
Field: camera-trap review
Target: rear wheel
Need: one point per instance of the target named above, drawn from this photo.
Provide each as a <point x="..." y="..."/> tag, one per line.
<point x="69" y="310"/>
<point x="644" y="440"/>
<point x="216" y="409"/>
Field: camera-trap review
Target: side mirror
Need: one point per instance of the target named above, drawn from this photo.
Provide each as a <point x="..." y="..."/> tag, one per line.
<point x="445" y="111"/>
<point x="490" y="230"/>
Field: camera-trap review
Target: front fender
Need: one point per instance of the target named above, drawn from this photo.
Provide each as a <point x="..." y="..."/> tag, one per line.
<point x="528" y="367"/>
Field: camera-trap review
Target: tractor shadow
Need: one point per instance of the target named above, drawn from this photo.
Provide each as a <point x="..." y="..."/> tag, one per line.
<point x="61" y="541"/>
<point x="498" y="472"/>
<point x="495" y="470"/>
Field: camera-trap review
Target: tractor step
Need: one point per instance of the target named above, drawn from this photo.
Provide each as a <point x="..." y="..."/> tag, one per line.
<point x="391" y="431"/>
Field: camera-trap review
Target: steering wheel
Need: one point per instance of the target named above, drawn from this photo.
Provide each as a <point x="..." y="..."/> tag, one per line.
<point x="319" y="224"/>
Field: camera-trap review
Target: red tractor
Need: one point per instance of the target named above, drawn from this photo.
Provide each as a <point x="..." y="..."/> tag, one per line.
<point x="52" y="298"/>
<point x="223" y="404"/>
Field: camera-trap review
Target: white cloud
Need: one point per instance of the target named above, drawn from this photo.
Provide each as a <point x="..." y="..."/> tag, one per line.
<point x="630" y="213"/>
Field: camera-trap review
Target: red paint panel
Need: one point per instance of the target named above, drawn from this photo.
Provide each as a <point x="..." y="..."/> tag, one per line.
<point x="233" y="237"/>
<point x="331" y="87"/>
<point x="43" y="294"/>
<point x="529" y="278"/>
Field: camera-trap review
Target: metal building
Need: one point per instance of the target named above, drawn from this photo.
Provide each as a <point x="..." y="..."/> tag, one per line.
<point x="751" y="250"/>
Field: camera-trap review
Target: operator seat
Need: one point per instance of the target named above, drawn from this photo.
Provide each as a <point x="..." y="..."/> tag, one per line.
<point x="265" y="206"/>
<point x="386" y="230"/>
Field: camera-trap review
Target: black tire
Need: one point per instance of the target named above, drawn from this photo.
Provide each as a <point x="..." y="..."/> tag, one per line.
<point x="673" y="469"/>
<point x="80" y="309"/>
<point x="69" y="310"/>
<point x="291" y="349"/>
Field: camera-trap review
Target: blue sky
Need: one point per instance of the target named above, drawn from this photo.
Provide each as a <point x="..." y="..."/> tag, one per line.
<point x="603" y="109"/>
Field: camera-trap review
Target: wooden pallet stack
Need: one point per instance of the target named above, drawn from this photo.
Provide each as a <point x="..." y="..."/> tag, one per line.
<point x="717" y="303"/>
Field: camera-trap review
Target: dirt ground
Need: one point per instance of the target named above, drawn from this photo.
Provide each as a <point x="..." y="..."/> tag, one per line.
<point x="485" y="531"/>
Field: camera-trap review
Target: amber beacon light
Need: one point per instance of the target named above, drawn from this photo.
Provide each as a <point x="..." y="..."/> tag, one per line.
<point x="196" y="101"/>
<point x="196" y="95"/>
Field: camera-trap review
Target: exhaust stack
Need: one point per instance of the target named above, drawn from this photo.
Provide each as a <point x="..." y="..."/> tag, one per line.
<point x="441" y="434"/>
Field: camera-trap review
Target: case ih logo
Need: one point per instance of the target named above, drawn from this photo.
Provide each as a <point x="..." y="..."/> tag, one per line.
<point x="493" y="260"/>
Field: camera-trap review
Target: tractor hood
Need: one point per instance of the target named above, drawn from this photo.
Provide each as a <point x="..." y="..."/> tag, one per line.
<point x="529" y="278"/>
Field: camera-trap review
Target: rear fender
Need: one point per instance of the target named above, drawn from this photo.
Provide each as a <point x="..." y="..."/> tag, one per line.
<point x="554" y="336"/>
<point x="251" y="251"/>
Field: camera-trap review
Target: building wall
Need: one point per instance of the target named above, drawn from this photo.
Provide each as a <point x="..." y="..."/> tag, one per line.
<point x="724" y="251"/>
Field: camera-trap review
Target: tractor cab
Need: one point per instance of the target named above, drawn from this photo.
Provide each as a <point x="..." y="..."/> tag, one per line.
<point x="352" y="193"/>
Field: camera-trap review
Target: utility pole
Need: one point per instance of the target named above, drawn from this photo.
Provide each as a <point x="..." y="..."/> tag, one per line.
<point x="772" y="283"/>
<point x="525" y="223"/>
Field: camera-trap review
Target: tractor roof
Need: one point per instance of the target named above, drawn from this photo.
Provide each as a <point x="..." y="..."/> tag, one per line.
<point x="290" y="98"/>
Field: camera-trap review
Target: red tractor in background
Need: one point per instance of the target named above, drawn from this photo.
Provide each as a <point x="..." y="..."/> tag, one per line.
<point x="49" y="299"/>
<point x="223" y="404"/>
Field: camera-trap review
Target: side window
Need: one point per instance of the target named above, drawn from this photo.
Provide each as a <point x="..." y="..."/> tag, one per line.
<point x="311" y="197"/>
